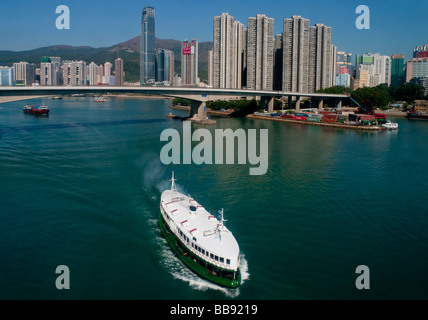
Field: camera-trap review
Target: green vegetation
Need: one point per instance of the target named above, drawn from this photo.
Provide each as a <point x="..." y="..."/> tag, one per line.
<point x="181" y="102"/>
<point x="333" y="90"/>
<point x="371" y="98"/>
<point x="240" y="105"/>
<point x="382" y="95"/>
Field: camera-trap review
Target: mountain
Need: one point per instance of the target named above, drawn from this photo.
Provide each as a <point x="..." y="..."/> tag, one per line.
<point x="129" y="51"/>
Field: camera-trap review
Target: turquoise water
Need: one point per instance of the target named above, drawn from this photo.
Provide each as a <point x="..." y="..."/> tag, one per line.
<point x="82" y="187"/>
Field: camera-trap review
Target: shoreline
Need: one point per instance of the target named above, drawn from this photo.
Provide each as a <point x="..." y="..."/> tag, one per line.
<point x="393" y="113"/>
<point x="20" y="98"/>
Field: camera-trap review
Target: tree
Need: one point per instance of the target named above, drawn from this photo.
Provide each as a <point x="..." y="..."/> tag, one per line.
<point x="409" y="92"/>
<point x="370" y="98"/>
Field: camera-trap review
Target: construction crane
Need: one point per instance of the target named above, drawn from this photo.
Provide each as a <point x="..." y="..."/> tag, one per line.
<point x="361" y="109"/>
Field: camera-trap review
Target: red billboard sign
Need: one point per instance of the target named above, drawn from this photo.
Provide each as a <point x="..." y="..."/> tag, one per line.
<point x="187" y="51"/>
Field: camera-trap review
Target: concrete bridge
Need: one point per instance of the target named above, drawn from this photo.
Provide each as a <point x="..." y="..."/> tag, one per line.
<point x="198" y="96"/>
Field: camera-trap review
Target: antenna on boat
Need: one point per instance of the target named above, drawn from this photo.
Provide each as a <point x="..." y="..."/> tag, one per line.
<point x="174" y="189"/>
<point x="220" y="226"/>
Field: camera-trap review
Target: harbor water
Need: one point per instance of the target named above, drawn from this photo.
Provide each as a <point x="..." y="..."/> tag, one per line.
<point x="81" y="188"/>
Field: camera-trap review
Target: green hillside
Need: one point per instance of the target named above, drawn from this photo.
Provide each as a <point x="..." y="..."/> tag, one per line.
<point x="128" y="51"/>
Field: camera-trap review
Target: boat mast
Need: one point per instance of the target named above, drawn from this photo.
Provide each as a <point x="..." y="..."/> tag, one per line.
<point x="220" y="226"/>
<point x="174" y="190"/>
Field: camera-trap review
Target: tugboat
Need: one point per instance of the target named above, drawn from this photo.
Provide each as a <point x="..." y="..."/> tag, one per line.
<point x="200" y="239"/>
<point x="37" y="110"/>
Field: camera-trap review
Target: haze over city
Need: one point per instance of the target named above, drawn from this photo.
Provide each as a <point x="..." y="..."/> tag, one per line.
<point x="396" y="27"/>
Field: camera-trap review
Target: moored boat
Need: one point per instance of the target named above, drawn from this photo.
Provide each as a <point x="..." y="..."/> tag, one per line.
<point x="200" y="239"/>
<point x="390" y="125"/>
<point x="37" y="110"/>
<point x="412" y="114"/>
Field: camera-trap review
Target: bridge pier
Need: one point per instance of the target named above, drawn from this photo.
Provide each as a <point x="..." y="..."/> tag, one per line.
<point x="298" y="101"/>
<point x="198" y="110"/>
<point x="267" y="103"/>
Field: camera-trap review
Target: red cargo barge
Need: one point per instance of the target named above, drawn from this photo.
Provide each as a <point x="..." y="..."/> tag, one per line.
<point x="37" y="110"/>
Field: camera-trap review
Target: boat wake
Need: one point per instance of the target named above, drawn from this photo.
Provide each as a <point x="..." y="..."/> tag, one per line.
<point x="178" y="270"/>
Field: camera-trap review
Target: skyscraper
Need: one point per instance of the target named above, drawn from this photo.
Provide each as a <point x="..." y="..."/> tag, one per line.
<point x="47" y="74"/>
<point x="381" y="71"/>
<point x="239" y="72"/>
<point x="189" y="62"/>
<point x="74" y="73"/>
<point x="229" y="53"/>
<point x="119" y="73"/>
<point x="210" y="68"/>
<point x="92" y="70"/>
<point x="417" y="68"/>
<point x="277" y="63"/>
<point x="223" y="52"/>
<point x="107" y="69"/>
<point x="296" y="54"/>
<point x="164" y="66"/>
<point x="6" y="76"/>
<point x="260" y="50"/>
<point x="421" y="52"/>
<point x="147" y="43"/>
<point x="320" y="58"/>
<point x="397" y="70"/>
<point x="24" y="73"/>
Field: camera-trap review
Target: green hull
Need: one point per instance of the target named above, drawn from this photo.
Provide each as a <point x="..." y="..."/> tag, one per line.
<point x="200" y="267"/>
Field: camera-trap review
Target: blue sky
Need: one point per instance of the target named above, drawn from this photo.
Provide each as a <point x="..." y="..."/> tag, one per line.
<point x="396" y="26"/>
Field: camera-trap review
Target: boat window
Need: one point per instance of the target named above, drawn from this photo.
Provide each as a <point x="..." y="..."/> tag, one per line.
<point x="192" y="208"/>
<point x="211" y="256"/>
<point x="203" y="251"/>
<point x="221" y="260"/>
<point x="216" y="258"/>
<point x="228" y="261"/>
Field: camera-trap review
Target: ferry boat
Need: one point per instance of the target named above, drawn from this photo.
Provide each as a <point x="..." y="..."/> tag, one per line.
<point x="200" y="239"/>
<point x="37" y="110"/>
